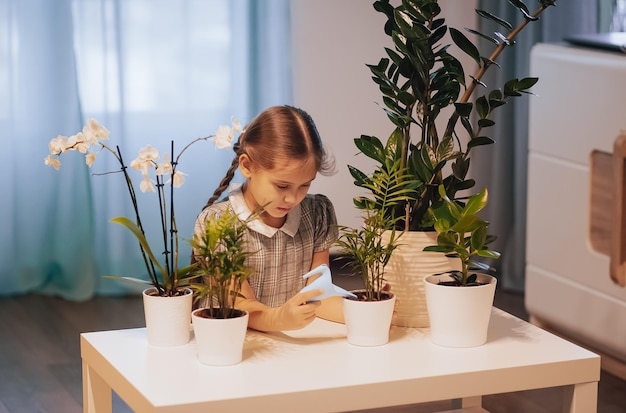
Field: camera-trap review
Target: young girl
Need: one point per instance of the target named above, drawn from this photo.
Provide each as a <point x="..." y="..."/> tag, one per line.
<point x="279" y="154"/>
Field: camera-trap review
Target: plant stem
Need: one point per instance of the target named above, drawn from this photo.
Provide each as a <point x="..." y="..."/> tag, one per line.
<point x="133" y="198"/>
<point x="483" y="69"/>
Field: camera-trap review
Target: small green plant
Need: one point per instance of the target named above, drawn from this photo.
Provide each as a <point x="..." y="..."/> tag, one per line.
<point x="462" y="234"/>
<point x="220" y="254"/>
<point x="369" y="247"/>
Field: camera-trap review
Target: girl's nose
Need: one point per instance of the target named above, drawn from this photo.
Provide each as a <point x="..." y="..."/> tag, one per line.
<point x="291" y="197"/>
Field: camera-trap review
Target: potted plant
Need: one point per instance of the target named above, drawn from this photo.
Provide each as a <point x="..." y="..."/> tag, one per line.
<point x="420" y="80"/>
<point x="167" y="304"/>
<point x="459" y="301"/>
<point x="368" y="250"/>
<point x="220" y="253"/>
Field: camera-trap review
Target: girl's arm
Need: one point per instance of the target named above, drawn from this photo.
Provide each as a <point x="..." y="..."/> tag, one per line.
<point x="331" y="308"/>
<point x="293" y="315"/>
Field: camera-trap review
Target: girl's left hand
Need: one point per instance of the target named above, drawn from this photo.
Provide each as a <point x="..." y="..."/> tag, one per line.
<point x="297" y="312"/>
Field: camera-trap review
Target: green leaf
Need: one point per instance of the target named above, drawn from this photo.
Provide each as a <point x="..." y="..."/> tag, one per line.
<point x="498" y="20"/>
<point x="484" y="36"/>
<point x="466" y="223"/>
<point x="445" y="150"/>
<point x="464" y="109"/>
<point x="465" y="44"/>
<point x="478" y="238"/>
<point x="488" y="254"/>
<point x="527" y="83"/>
<point x="136" y="231"/>
<point x="131" y="279"/>
<point x="480" y="140"/>
<point x="485" y="123"/>
<point x="520" y="5"/>
<point x="476" y="202"/>
<point x="482" y="107"/>
<point x="371" y="147"/>
<point x="359" y="177"/>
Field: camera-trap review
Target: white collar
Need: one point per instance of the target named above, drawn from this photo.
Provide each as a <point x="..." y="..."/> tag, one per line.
<point x="290" y="227"/>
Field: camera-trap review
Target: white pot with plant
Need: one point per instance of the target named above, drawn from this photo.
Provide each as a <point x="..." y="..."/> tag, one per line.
<point x="460" y="301"/>
<point x="170" y="325"/>
<point x="368" y="250"/>
<point x="420" y="80"/>
<point x="220" y="252"/>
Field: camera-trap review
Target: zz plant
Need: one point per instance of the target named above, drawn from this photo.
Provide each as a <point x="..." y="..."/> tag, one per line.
<point x="420" y="79"/>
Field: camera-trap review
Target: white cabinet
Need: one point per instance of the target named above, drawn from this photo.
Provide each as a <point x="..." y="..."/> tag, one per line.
<point x="580" y="108"/>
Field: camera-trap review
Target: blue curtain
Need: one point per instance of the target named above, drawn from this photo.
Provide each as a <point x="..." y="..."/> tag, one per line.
<point x="151" y="71"/>
<point x="503" y="167"/>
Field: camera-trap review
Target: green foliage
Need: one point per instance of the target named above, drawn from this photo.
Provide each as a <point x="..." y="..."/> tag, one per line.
<point x="220" y="253"/>
<point x="170" y="282"/>
<point x="418" y="79"/>
<point x="368" y="250"/>
<point x="462" y="234"/>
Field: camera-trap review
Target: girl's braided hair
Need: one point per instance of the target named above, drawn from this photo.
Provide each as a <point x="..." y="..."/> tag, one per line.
<point x="278" y="133"/>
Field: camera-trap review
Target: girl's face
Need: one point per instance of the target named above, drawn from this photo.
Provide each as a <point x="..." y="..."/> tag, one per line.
<point x="278" y="189"/>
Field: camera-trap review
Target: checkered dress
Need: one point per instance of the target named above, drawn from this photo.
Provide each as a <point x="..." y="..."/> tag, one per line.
<point x="283" y="254"/>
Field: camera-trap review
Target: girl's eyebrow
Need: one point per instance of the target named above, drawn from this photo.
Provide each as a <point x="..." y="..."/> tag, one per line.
<point x="282" y="182"/>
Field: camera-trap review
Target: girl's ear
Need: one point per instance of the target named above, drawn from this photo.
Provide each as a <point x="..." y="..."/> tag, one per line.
<point x="245" y="166"/>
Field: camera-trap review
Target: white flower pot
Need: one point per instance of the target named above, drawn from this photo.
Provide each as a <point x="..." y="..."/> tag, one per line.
<point x="406" y="270"/>
<point x="168" y="319"/>
<point x="219" y="341"/>
<point x="368" y="322"/>
<point x="459" y="316"/>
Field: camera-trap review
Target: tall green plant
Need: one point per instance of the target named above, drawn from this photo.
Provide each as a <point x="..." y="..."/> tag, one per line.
<point x="418" y="79"/>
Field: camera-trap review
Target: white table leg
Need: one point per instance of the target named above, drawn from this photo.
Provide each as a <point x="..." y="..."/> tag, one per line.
<point x="581" y="398"/>
<point x="97" y="394"/>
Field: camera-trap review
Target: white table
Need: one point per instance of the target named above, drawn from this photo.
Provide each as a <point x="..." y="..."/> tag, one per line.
<point x="316" y="370"/>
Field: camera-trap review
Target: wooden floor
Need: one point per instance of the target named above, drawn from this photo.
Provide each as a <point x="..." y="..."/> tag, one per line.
<point x="40" y="367"/>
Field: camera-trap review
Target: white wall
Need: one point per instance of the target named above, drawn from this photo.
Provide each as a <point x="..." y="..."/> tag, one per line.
<point x="332" y="42"/>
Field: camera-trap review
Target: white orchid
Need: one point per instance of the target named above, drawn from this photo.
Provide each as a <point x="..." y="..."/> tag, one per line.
<point x="148" y="155"/>
<point x="78" y="142"/>
<point x="156" y="177"/>
<point x="90" y="158"/>
<point x="93" y="130"/>
<point x="147" y="184"/>
<point x="58" y="145"/>
<point x="223" y="137"/>
<point x="165" y="168"/>
<point x="237" y="127"/>
<point x="52" y="161"/>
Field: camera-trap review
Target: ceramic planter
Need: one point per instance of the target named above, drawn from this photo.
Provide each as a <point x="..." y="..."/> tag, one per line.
<point x="168" y="319"/>
<point x="219" y="340"/>
<point x="368" y="322"/>
<point x="405" y="272"/>
<point x="459" y="316"/>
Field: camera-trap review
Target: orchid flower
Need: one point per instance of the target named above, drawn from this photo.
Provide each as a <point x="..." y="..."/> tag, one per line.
<point x="90" y="141"/>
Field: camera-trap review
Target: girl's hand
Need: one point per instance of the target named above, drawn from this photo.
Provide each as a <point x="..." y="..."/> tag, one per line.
<point x="298" y="312"/>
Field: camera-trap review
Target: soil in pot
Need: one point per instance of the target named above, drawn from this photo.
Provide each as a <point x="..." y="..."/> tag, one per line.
<point x="362" y="296"/>
<point x="219" y="313"/>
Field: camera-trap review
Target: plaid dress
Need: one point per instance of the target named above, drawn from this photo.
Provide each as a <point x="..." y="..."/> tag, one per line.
<point x="283" y="254"/>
